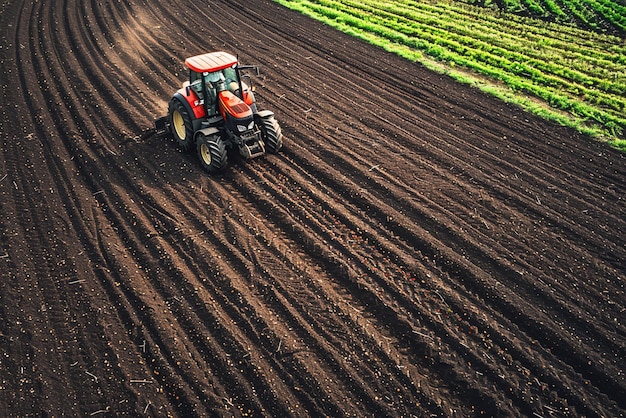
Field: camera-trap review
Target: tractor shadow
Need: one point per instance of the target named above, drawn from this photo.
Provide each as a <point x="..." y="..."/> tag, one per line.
<point x="172" y="165"/>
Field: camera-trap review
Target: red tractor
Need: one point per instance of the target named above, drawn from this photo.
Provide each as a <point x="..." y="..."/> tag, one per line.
<point x="215" y="111"/>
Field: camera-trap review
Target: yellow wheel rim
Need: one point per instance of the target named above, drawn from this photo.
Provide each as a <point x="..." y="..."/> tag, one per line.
<point x="179" y="125"/>
<point x="205" y="154"/>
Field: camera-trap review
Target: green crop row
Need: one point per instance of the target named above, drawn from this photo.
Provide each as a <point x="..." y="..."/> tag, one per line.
<point x="571" y="70"/>
<point x="518" y="53"/>
<point x="608" y="15"/>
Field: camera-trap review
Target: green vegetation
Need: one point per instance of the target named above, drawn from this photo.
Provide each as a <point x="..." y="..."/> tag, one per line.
<point x="597" y="15"/>
<point x="574" y="75"/>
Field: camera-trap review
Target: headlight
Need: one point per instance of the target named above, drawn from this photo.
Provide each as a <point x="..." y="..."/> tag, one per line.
<point x="242" y="128"/>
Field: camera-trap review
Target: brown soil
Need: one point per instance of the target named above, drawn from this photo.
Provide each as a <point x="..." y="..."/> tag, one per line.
<point x="417" y="249"/>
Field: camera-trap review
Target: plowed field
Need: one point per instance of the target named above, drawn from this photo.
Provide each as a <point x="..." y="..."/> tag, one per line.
<point x="416" y="249"/>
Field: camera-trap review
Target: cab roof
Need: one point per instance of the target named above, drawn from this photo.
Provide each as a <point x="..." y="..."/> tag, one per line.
<point x="213" y="61"/>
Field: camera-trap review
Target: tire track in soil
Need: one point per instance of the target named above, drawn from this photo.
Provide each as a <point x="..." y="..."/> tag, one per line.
<point x="42" y="264"/>
<point x="456" y="273"/>
<point x="51" y="159"/>
<point x="269" y="289"/>
<point x="132" y="306"/>
<point x="367" y="301"/>
<point x="87" y="165"/>
<point x="316" y="316"/>
<point x="372" y="270"/>
<point x="235" y="261"/>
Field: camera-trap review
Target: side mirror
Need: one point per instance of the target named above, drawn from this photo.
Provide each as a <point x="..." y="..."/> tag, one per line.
<point x="249" y="67"/>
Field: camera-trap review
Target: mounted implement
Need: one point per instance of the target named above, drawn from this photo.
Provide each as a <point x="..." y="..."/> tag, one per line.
<point x="215" y="111"/>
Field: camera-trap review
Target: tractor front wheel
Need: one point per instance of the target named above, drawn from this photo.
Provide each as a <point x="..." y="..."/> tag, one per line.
<point x="212" y="153"/>
<point x="181" y="126"/>
<point x="271" y="133"/>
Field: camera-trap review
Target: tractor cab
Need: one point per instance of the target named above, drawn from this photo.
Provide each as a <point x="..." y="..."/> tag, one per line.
<point x="210" y="75"/>
<point x="208" y="85"/>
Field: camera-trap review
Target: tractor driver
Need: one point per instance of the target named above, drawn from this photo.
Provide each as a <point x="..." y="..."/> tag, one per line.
<point x="214" y="83"/>
<point x="222" y="80"/>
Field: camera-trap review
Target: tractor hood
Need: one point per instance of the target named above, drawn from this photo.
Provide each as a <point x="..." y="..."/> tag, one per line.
<point x="233" y="105"/>
<point x="236" y="113"/>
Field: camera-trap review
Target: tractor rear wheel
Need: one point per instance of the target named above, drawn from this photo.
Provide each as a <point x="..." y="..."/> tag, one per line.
<point x="212" y="153"/>
<point x="182" y="128"/>
<point x="271" y="133"/>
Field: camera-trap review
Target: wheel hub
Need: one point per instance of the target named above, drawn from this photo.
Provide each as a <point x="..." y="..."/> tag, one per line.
<point x="205" y="154"/>
<point x="179" y="124"/>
